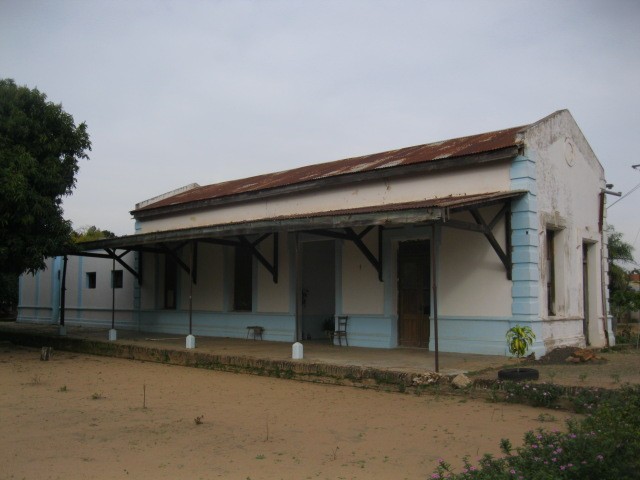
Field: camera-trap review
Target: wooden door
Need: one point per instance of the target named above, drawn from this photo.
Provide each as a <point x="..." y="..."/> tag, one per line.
<point x="414" y="286"/>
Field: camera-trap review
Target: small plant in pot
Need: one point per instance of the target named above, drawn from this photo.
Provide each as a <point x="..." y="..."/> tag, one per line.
<point x="519" y="339"/>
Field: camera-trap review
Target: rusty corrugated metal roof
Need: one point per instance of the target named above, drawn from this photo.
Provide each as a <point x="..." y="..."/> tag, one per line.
<point x="457" y="147"/>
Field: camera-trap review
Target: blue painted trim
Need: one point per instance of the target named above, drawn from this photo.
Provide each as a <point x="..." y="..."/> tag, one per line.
<point x="278" y="327"/>
<point x="484" y="335"/>
<point x="524" y="239"/>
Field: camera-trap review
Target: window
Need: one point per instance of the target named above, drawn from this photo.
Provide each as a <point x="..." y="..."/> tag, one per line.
<point x="91" y="280"/>
<point x="243" y="280"/>
<point x="551" y="273"/>
<point x="170" y="282"/>
<point x="116" y="278"/>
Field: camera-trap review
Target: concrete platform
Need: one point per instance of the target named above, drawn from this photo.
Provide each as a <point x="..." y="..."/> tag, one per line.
<point x="253" y="356"/>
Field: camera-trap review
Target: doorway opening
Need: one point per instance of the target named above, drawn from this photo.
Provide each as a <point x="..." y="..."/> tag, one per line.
<point x="414" y="293"/>
<point x="586" y="293"/>
<point x="318" y="288"/>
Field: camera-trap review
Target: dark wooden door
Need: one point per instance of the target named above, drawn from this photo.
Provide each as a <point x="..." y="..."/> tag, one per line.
<point x="413" y="293"/>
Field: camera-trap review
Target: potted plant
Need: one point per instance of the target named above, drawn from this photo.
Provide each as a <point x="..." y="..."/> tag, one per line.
<point x="519" y="339"/>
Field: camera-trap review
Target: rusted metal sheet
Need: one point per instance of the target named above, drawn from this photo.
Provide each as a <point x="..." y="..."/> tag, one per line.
<point x="432" y="152"/>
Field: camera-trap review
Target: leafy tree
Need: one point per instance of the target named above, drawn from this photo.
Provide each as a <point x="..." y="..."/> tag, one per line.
<point x="90" y="233"/>
<point x="8" y="293"/>
<point x="40" y="146"/>
<point x="622" y="299"/>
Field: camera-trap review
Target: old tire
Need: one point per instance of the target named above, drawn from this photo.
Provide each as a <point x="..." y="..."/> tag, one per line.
<point x="518" y="374"/>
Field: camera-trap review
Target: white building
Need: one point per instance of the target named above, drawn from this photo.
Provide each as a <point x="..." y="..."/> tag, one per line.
<point x="508" y="226"/>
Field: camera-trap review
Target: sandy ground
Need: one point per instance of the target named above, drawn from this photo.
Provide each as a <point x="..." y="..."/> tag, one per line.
<point x="80" y="416"/>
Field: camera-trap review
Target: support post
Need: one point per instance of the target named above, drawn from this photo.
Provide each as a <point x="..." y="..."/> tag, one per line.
<point x="63" y="293"/>
<point x="434" y="286"/>
<point x="113" y="335"/>
<point x="298" y="284"/>
<point x="191" y="340"/>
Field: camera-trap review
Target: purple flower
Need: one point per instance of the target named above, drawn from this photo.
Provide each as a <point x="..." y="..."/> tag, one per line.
<point x="599" y="457"/>
<point x="562" y="467"/>
<point x="513" y="472"/>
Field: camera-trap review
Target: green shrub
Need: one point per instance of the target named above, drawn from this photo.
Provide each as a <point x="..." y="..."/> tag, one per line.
<point x="536" y="394"/>
<point x="603" y="445"/>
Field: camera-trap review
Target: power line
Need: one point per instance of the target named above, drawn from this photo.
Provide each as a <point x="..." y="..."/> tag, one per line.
<point x="625" y="195"/>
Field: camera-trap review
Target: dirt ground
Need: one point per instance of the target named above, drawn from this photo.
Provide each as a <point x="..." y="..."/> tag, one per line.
<point x="79" y="416"/>
<point x="609" y="370"/>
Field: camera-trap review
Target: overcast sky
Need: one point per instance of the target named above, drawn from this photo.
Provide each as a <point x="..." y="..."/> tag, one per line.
<point x="175" y="92"/>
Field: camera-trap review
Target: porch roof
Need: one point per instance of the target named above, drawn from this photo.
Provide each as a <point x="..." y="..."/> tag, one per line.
<point x="422" y="211"/>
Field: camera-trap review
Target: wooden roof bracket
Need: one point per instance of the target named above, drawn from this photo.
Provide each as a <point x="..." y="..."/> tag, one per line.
<point x="272" y="268"/>
<point x="350" y="235"/>
<point x="111" y="254"/>
<point x="481" y="226"/>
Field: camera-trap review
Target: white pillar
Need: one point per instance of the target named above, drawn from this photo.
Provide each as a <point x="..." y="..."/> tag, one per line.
<point x="297" y="351"/>
<point x="113" y="335"/>
<point x="191" y="341"/>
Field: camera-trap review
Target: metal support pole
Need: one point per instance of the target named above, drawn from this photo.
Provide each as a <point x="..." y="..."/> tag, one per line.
<point x="298" y="284"/>
<point x="191" y="275"/>
<point x="434" y="286"/>
<point x="191" y="340"/>
<point x="63" y="290"/>
<point x="113" y="295"/>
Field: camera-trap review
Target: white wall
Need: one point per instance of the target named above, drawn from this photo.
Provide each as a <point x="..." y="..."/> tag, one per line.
<point x="207" y="292"/>
<point x="273" y="297"/>
<point x="362" y="292"/>
<point x="569" y="179"/>
<point x="473" y="280"/>
<point x="483" y="179"/>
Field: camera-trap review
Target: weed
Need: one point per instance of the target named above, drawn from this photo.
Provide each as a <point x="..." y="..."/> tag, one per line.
<point x="63" y="388"/>
<point x="260" y="457"/>
<point x="35" y="380"/>
<point x="198" y="420"/>
<point x="615" y="377"/>
<point x="334" y="454"/>
<point x="538" y="395"/>
<point x="545" y="417"/>
<point x="96" y="396"/>
<point x="402" y="388"/>
<point x="582" y="377"/>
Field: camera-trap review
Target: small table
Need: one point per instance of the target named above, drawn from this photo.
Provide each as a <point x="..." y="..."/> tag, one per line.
<point x="255" y="330"/>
